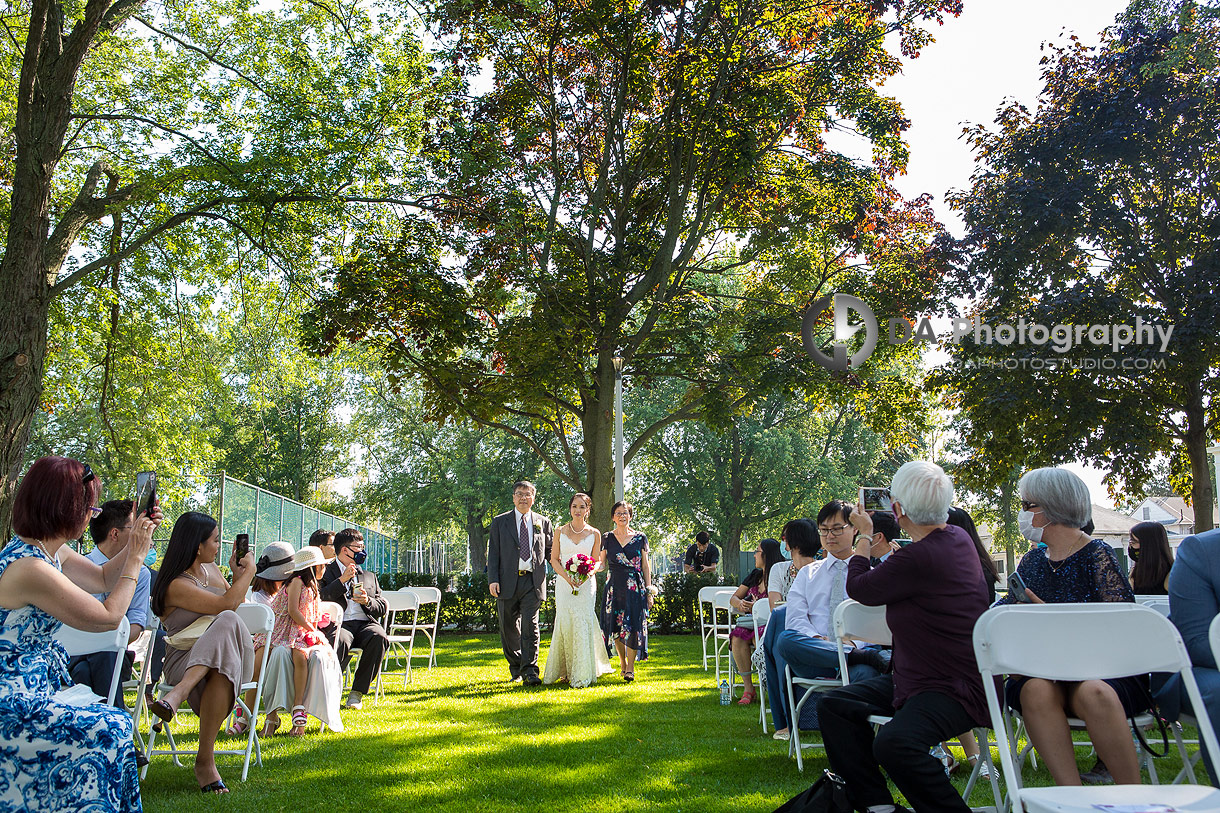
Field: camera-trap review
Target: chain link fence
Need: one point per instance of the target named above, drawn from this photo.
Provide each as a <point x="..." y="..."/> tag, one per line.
<point x="267" y="517"/>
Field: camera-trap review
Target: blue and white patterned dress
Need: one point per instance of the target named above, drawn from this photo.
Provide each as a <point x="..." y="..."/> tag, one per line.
<point x="55" y="756"/>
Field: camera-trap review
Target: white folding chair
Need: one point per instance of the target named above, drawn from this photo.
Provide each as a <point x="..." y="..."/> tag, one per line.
<point x="144" y="658"/>
<point x="426" y="596"/>
<point x="258" y="618"/>
<point x="852" y="621"/>
<point x="722" y="633"/>
<point x="707" y="620"/>
<point x="1085" y="642"/>
<point x="401" y="632"/>
<point x="78" y="642"/>
<point x="761" y="615"/>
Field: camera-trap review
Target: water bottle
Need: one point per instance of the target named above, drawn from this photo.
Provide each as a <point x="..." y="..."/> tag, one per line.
<point x="725" y="695"/>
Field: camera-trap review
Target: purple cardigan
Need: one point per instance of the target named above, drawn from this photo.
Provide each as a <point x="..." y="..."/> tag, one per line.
<point x="933" y="592"/>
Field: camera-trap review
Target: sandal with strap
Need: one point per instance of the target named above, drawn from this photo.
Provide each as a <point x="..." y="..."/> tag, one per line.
<point x="747" y="697"/>
<point x="270" y="726"/>
<point x="239" y="728"/>
<point x="299" y="720"/>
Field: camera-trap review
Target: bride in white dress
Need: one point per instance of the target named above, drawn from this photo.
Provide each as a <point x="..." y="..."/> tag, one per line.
<point x="578" y="651"/>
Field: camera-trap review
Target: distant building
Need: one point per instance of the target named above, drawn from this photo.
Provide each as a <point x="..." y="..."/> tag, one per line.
<point x="1172" y="512"/>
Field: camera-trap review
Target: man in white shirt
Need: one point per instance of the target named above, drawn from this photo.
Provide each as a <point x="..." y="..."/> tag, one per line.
<point x="110" y="530"/>
<point x="807" y="643"/>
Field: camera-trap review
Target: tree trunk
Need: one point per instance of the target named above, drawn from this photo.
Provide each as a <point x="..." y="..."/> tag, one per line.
<point x="1009" y="531"/>
<point x="730" y="554"/>
<point x="1201" y="492"/>
<point x="477" y="541"/>
<point x="597" y="425"/>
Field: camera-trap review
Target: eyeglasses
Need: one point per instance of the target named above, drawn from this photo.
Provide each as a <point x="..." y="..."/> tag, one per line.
<point x="1029" y="506"/>
<point x="835" y="530"/>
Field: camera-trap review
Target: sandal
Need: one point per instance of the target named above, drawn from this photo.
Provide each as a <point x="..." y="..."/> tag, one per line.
<point x="240" y="726"/>
<point x="628" y="676"/>
<point x="747" y="697"/>
<point x="216" y="787"/>
<point x="162" y="710"/>
<point x="271" y="725"/>
<point x="299" y="720"/>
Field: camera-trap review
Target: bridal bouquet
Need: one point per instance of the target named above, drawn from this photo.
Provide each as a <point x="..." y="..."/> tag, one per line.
<point x="581" y="568"/>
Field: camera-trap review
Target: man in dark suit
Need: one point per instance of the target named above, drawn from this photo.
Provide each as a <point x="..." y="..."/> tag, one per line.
<point x="516" y="572"/>
<point x="356" y="590"/>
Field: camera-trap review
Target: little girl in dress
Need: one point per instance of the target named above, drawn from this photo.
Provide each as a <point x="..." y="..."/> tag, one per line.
<point x="296" y="609"/>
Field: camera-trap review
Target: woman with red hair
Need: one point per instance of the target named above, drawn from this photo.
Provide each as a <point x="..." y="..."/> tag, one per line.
<point x="61" y="755"/>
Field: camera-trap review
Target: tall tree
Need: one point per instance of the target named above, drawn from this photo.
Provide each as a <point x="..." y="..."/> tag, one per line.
<point x="140" y="129"/>
<point x="1100" y="208"/>
<point x="629" y="188"/>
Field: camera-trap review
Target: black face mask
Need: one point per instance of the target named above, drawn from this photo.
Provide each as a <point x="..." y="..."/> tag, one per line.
<point x="1133" y="554"/>
<point x="358" y="557"/>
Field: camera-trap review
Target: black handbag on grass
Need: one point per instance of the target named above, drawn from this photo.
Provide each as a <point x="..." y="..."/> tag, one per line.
<point x="827" y="795"/>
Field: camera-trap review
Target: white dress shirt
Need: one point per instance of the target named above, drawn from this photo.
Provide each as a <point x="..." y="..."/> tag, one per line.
<point x="809" y="610"/>
<point x="524" y="564"/>
<point x="354" y="610"/>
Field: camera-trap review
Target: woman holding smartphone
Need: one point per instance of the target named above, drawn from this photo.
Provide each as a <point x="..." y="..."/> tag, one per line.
<point x="205" y="668"/>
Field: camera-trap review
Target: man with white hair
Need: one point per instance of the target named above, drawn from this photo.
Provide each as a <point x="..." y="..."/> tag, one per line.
<point x="933" y="593"/>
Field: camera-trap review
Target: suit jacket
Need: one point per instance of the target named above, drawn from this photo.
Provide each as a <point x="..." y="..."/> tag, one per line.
<point x="503" y="555"/>
<point x="331" y="589"/>
<point x="1194" y="600"/>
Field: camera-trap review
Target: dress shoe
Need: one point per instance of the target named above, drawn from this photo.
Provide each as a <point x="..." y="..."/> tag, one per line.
<point x="531" y="681"/>
<point x="869" y="657"/>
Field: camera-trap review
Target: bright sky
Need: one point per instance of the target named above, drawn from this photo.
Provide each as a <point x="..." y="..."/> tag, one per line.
<point x="987" y="55"/>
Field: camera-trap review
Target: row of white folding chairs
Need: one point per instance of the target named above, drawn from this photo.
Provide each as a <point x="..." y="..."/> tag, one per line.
<point x="1078" y="642"/>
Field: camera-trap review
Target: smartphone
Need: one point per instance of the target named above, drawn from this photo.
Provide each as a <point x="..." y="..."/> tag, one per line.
<point x="876" y="499"/>
<point x="146" y="493"/>
<point x="241" y="546"/>
<point x="1016" y="588"/>
<point x="902" y="543"/>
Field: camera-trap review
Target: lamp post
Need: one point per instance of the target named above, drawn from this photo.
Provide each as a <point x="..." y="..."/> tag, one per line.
<point x="619" y="492"/>
<point x="1215" y="453"/>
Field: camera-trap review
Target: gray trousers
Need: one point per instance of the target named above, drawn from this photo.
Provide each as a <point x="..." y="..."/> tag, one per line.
<point x="517" y="609"/>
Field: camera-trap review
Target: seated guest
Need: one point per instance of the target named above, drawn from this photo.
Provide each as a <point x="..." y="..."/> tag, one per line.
<point x="274" y="568"/>
<point x="356" y="590"/>
<point x="807" y="642"/>
<point x="703" y="556"/>
<point x="1148" y="548"/>
<point x="51" y="747"/>
<point x="752" y="589"/>
<point x="1071" y="568"/>
<point x="802" y="555"/>
<point x="325" y="540"/>
<point x="305" y="674"/>
<point x="932" y="591"/>
<point x="1194" y="601"/>
<point x="205" y="661"/>
<point x="110" y="530"/>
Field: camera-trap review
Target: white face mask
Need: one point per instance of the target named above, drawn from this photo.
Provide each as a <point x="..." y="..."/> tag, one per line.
<point x="1025" y="520"/>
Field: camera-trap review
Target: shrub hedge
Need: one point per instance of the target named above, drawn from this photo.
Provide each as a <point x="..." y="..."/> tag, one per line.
<point x="467" y="605"/>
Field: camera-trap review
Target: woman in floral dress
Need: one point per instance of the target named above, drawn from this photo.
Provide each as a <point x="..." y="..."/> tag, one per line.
<point x="57" y="754"/>
<point x="629" y="590"/>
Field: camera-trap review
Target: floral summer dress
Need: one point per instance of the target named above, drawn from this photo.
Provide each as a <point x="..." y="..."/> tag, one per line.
<point x="625" y="615"/>
<point x="286" y="632"/>
<point x="55" y="756"/>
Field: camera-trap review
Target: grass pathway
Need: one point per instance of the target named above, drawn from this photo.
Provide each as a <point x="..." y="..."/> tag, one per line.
<point x="462" y="738"/>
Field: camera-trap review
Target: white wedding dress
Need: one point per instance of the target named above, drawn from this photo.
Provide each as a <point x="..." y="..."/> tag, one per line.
<point x="578" y="651"/>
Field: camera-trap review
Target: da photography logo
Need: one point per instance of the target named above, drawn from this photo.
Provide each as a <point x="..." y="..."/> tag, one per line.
<point x="842" y="304"/>
<point x="1060" y="339"/>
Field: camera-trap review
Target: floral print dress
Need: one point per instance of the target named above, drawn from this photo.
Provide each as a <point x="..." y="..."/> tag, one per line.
<point x="625" y="614"/>
<point x="55" y="756"/>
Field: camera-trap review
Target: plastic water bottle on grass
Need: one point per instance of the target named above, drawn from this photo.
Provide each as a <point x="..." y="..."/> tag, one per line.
<point x="725" y="694"/>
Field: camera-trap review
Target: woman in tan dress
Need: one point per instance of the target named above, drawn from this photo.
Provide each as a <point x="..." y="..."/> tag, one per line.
<point x="205" y="673"/>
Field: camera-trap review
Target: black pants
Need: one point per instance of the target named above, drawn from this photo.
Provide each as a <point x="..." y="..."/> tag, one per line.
<point x="370" y="637"/>
<point x="96" y="670"/>
<point x="520" y="637"/>
<point x="901" y="746"/>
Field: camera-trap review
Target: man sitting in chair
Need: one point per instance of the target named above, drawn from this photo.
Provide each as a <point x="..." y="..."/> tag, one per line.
<point x="356" y="590"/>
<point x="807" y="643"/>
<point x="110" y="530"/>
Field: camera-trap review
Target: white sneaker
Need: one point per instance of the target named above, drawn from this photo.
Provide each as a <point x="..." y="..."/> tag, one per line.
<point x="353" y="700"/>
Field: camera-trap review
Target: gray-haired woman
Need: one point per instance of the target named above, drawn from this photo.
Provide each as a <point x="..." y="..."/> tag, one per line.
<point x="1072" y="568"/>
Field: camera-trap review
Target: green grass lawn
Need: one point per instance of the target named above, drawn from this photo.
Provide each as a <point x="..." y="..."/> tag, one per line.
<point x="461" y="737"/>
